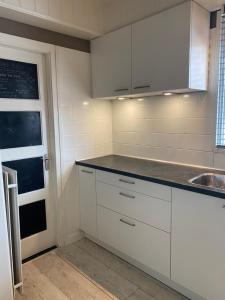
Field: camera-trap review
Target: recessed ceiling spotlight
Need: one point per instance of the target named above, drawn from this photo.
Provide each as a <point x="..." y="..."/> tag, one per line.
<point x="186" y="96"/>
<point x="85" y="103"/>
<point x="140" y="99"/>
<point x="121" y="98"/>
<point x="167" y="94"/>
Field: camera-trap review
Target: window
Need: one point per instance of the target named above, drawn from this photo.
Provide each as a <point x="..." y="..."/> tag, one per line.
<point x="220" y="126"/>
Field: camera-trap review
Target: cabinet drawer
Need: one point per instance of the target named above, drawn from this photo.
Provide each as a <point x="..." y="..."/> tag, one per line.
<point x="149" y="246"/>
<point x="136" y="185"/>
<point x="149" y="210"/>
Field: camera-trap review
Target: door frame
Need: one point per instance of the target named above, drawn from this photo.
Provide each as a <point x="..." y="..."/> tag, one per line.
<point x="49" y="52"/>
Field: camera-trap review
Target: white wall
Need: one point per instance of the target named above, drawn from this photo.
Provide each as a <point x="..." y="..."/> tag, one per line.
<point x="85" y="129"/>
<point x="76" y="17"/>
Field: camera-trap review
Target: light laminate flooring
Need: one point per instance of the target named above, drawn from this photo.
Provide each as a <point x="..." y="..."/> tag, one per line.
<point x="116" y="276"/>
<point x="49" y="277"/>
<point x="86" y="271"/>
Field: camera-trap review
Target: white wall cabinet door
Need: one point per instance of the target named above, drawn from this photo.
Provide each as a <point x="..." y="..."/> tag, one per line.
<point x="88" y="222"/>
<point x="169" y="50"/>
<point x="161" y="51"/>
<point x="111" y="64"/>
<point x="198" y="243"/>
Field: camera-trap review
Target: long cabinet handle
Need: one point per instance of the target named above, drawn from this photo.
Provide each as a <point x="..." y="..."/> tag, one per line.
<point x="121" y="90"/>
<point x="142" y="87"/>
<point x="86" y="171"/>
<point x="126" y="181"/>
<point x="127" y="195"/>
<point x="127" y="222"/>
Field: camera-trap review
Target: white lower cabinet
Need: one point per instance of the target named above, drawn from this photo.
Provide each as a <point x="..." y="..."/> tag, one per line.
<point x="198" y="243"/>
<point x="134" y="217"/>
<point x="146" y="244"/>
<point x="88" y="222"/>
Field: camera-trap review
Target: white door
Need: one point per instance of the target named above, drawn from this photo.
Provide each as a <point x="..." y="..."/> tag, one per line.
<point x="24" y="143"/>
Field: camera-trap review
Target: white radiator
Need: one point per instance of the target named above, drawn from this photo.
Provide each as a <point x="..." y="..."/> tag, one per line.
<point x="13" y="222"/>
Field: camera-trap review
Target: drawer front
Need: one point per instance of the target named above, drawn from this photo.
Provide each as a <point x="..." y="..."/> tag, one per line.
<point x="152" y="211"/>
<point x="136" y="185"/>
<point x="145" y="244"/>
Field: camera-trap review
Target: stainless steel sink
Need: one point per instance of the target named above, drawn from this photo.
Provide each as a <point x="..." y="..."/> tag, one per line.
<point x="216" y="181"/>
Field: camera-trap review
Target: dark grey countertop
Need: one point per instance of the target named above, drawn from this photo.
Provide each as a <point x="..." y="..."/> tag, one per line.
<point x="169" y="174"/>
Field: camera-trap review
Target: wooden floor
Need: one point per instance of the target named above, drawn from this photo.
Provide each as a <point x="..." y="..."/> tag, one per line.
<point x="121" y="279"/>
<point x="51" y="278"/>
<point x="86" y="271"/>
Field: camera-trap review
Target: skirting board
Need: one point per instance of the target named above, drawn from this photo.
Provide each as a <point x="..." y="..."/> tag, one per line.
<point x="147" y="270"/>
<point x="72" y="238"/>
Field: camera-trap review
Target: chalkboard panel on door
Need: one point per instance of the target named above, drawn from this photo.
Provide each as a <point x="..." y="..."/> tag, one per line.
<point x="20" y="129"/>
<point x="18" y="80"/>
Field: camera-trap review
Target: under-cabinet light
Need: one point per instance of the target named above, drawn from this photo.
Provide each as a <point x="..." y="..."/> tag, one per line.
<point x="167" y="94"/>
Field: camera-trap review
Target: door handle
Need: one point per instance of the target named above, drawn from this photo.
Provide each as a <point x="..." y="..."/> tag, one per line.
<point x="127" y="195"/>
<point x="127" y="222"/>
<point x="126" y="181"/>
<point x="121" y="90"/>
<point x="46" y="160"/>
<point x="142" y="87"/>
<point x="86" y="171"/>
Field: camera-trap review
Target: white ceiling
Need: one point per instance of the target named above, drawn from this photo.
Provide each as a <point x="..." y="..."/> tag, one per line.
<point x="211" y="4"/>
<point x="208" y="4"/>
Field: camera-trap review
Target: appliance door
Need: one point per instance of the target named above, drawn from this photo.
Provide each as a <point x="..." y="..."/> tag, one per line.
<point x="13" y="222"/>
<point x="6" y="287"/>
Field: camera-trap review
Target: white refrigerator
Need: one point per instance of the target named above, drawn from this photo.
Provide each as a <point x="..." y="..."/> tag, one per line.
<point x="6" y="283"/>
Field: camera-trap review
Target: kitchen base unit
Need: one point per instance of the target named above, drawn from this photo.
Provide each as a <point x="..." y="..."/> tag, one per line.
<point x="132" y="218"/>
<point x="198" y="243"/>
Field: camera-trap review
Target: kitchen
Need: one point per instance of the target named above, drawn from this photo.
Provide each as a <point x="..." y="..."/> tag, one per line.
<point x="112" y="143"/>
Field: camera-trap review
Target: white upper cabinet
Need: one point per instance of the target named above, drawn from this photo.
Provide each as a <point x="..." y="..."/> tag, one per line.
<point x="198" y="243"/>
<point x="165" y="52"/>
<point x="170" y="50"/>
<point x="111" y="64"/>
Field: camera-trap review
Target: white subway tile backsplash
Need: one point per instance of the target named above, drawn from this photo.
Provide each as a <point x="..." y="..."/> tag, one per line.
<point x="42" y="7"/>
<point x="28" y="4"/>
<point x="12" y="2"/>
<point x="172" y="128"/>
<point x="219" y="159"/>
<point x="55" y="9"/>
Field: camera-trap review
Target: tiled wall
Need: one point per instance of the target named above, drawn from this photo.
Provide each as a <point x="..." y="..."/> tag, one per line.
<point x="171" y="128"/>
<point x="85" y="130"/>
